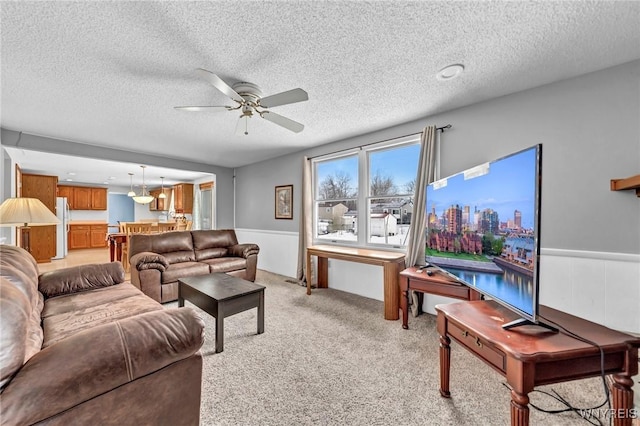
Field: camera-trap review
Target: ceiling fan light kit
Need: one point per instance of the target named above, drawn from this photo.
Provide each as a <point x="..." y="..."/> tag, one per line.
<point x="248" y="97"/>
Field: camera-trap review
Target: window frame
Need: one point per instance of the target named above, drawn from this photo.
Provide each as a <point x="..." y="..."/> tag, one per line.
<point x="364" y="197"/>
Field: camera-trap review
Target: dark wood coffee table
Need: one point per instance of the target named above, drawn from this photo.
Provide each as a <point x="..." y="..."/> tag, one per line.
<point x="221" y="295"/>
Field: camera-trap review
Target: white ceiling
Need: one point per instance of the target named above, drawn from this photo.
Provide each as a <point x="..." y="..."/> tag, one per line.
<point x="110" y="73"/>
<point x="73" y="170"/>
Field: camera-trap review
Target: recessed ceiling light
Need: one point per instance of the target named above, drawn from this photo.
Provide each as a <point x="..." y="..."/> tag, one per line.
<point x="69" y="180"/>
<point x="112" y="177"/>
<point x="450" y="72"/>
<point x="71" y="174"/>
<point x="106" y="183"/>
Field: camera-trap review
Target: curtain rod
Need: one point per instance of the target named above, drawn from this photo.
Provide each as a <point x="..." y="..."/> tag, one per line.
<point x="442" y="129"/>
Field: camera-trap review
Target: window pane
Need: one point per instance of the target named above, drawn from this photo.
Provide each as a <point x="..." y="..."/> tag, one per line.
<point x="337" y="179"/>
<point x="337" y="220"/>
<point x="389" y="220"/>
<point x="393" y="171"/>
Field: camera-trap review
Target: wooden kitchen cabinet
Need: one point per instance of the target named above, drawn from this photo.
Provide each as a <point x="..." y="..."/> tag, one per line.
<point x="98" y="236"/>
<point x="160" y="204"/>
<point x="84" y="197"/>
<point x="183" y="197"/>
<point x="79" y="237"/>
<point x="42" y="238"/>
<point x="81" y="198"/>
<point x="98" y="198"/>
<point x="66" y="192"/>
<point x="84" y="236"/>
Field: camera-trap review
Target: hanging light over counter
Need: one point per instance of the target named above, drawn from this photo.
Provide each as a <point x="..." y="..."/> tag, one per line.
<point x="144" y="197"/>
<point x="131" y="192"/>
<point x="162" y="194"/>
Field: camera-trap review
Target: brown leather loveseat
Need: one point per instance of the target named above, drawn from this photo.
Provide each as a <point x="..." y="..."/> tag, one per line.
<point x="82" y="346"/>
<point x="159" y="260"/>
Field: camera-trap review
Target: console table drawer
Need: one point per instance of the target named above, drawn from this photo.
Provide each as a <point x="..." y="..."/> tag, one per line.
<point x="478" y="346"/>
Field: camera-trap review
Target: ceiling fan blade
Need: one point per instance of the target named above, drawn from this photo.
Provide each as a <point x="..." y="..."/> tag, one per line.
<point x="203" y="108"/>
<point x="285" y="122"/>
<point x="289" y="97"/>
<point x="219" y="84"/>
<point x="242" y="128"/>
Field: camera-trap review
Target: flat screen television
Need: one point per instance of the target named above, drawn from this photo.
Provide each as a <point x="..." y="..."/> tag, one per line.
<point x="483" y="228"/>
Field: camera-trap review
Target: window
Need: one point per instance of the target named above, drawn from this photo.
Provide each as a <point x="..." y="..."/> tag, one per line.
<point x="378" y="177"/>
<point x="336" y="198"/>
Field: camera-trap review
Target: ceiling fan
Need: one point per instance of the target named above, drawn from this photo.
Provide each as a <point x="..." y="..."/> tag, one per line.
<point x="249" y="100"/>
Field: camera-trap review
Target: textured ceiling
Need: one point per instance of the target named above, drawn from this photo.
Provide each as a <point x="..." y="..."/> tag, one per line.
<point x="110" y="73"/>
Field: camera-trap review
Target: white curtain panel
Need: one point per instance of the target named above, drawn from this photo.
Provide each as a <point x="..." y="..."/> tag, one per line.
<point x="305" y="236"/>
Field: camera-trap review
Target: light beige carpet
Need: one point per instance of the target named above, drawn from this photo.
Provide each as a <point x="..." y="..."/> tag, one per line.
<point x="331" y="359"/>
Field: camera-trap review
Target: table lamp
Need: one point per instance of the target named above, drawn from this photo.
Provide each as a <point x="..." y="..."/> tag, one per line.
<point x="25" y="212"/>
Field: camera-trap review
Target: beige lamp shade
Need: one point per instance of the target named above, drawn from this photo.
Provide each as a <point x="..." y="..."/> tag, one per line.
<point x="26" y="212"/>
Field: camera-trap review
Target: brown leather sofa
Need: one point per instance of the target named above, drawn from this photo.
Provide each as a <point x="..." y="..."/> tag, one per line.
<point x="159" y="260"/>
<point x="82" y="346"/>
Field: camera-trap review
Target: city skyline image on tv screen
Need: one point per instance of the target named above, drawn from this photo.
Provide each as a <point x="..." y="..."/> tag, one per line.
<point x="482" y="227"/>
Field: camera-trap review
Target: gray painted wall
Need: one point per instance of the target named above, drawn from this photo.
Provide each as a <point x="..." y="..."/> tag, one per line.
<point x="224" y="175"/>
<point x="589" y="128"/>
<point x="5" y="191"/>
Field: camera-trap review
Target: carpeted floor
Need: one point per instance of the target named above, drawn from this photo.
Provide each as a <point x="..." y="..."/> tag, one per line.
<point x="332" y="359"/>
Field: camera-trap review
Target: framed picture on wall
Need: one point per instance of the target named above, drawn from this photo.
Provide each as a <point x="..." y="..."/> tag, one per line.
<point x="284" y="202"/>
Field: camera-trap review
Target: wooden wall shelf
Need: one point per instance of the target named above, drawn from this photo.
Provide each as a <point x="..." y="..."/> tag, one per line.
<point x="632" y="182"/>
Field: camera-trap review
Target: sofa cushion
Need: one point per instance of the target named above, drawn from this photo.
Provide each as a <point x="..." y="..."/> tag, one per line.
<point x="184" y="269"/>
<point x="14" y="318"/>
<point x="226" y="264"/>
<point x="211" y="253"/>
<point x="69" y="303"/>
<point x="208" y="244"/>
<point x="176" y="247"/>
<point x="80" y="278"/>
<point x="20" y="268"/>
<point x="67" y="315"/>
<point x="21" y="303"/>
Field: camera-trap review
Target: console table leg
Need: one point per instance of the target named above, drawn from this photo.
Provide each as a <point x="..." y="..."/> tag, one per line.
<point x="519" y="409"/>
<point x="622" y="398"/>
<point x="323" y="272"/>
<point x="445" y="364"/>
<point x="404" y="306"/>
<point x="391" y="273"/>
<point x="309" y="276"/>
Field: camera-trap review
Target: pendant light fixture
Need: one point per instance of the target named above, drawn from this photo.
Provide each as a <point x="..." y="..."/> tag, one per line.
<point x="131" y="193"/>
<point x="143" y="198"/>
<point x="162" y="194"/>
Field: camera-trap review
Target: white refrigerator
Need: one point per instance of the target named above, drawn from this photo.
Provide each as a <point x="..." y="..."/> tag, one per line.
<point x="62" y="229"/>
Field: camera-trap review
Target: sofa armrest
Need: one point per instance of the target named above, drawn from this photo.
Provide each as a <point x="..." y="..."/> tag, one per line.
<point x="80" y="278"/>
<point x="99" y="360"/>
<point x="149" y="260"/>
<point x="243" y="250"/>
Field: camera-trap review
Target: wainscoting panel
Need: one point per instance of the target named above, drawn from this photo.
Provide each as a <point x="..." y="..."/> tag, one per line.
<point x="601" y="287"/>
<point x="278" y="249"/>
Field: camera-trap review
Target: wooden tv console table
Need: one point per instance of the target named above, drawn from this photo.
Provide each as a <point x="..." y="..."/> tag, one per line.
<point x="429" y="280"/>
<point x="530" y="356"/>
<point x="392" y="262"/>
